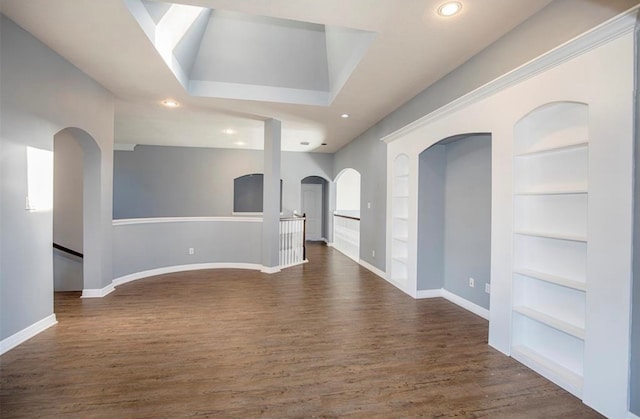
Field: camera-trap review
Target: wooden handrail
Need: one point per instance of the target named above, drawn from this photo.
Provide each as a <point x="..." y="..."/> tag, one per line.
<point x="67" y="250"/>
<point x="347" y="216"/>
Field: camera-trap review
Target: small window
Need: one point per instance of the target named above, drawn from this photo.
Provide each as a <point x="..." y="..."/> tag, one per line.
<point x="248" y="193"/>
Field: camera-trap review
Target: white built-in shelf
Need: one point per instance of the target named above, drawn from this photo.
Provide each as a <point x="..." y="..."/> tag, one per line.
<point x="572" y="191"/>
<point x="551" y="321"/>
<point x="403" y="176"/>
<point x="555" y="236"/>
<point x="562" y="147"/>
<point x="401" y="238"/>
<point x="548" y="368"/>
<point x="401" y="196"/>
<point x="553" y="279"/>
<point x="400" y="259"/>
<point x="400" y="218"/>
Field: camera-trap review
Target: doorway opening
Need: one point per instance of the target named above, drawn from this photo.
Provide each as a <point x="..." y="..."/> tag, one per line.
<point x="315" y="200"/>
<point x="76" y="210"/>
<point x="346" y="218"/>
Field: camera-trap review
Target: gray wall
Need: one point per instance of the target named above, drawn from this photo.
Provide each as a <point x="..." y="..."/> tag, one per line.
<point x="67" y="191"/>
<point x="430" y="270"/>
<point x="157" y="181"/>
<point x="42" y="94"/>
<point x="141" y="247"/>
<point x="368" y="156"/>
<point x="467" y="238"/>
<point x="454" y="217"/>
<point x="635" y="305"/>
<point x="326" y="211"/>
<point x="557" y="23"/>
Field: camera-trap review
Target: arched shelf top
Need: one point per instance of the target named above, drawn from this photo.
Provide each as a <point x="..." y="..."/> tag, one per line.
<point x="554" y="125"/>
<point x="401" y="165"/>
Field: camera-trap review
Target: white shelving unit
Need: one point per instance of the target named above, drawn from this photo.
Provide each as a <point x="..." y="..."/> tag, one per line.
<point x="400" y="222"/>
<point x="551" y="152"/>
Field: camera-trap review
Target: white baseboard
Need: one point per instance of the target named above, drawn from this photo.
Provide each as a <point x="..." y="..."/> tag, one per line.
<point x="329" y="244"/>
<point x="466" y="304"/>
<point x="270" y="269"/>
<point x="632" y="416"/>
<point x="180" y="268"/>
<point x="420" y="294"/>
<point x="294" y="264"/>
<point x="97" y="293"/>
<point x="373" y="269"/>
<point x="27" y="333"/>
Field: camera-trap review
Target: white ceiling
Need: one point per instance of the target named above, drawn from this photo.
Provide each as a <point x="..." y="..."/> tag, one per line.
<point x="414" y="47"/>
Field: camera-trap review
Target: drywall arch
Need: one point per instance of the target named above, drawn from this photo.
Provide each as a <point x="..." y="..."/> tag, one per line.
<point x="92" y="213"/>
<point x="454" y="218"/>
<point x="346" y="217"/>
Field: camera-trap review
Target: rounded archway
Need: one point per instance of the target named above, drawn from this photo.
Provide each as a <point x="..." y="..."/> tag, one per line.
<point x="346" y="218"/>
<point x="77" y="211"/>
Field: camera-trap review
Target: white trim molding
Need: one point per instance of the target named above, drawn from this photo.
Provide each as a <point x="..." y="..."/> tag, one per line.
<point x="466" y="304"/>
<point x="270" y="269"/>
<point x="27" y="333"/>
<point x="182" y="268"/>
<point x="601" y="34"/>
<point x="373" y="269"/>
<point x="97" y="293"/>
<point x="420" y="294"/>
<point x="633" y="416"/>
<point x="156" y="220"/>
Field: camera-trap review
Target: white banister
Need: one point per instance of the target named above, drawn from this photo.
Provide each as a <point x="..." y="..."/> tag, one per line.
<point x="292" y="251"/>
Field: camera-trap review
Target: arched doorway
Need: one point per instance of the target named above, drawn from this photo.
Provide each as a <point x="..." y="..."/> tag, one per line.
<point x="314" y="200"/>
<point x="346" y="218"/>
<point x="77" y="211"/>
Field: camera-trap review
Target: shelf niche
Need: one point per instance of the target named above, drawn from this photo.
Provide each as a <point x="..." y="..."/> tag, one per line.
<point x="550" y="169"/>
<point x="400" y="222"/>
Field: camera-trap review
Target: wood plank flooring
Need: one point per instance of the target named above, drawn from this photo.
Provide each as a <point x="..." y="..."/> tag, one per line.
<point x="325" y="339"/>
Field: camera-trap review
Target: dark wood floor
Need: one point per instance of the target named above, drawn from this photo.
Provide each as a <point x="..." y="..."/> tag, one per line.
<point x="326" y="339"/>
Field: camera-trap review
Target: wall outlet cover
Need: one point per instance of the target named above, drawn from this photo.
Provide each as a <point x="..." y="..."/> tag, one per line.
<point x="472" y="282"/>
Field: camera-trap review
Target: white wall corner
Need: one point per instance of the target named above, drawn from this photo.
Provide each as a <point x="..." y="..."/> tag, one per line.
<point x="632" y="416"/>
<point x="97" y="293"/>
<point x="27" y="333"/>
<point x="466" y="304"/>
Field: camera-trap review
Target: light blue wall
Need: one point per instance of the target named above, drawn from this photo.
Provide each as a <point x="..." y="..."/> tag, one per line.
<point x="42" y="94"/>
<point x="467" y="203"/>
<point x="454" y="217"/>
<point x="157" y="181"/>
<point x="368" y="156"/>
<point x="432" y="165"/>
<point x="142" y="247"/>
<point x="635" y="305"/>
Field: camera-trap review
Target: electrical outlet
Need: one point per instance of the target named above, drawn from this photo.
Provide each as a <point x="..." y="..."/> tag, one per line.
<point x="369" y="205"/>
<point x="487" y="288"/>
<point x="192" y="251"/>
<point x="373" y="253"/>
<point x="472" y="282"/>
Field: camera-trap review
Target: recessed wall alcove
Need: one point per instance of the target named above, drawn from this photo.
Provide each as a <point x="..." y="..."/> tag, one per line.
<point x="454" y="217"/>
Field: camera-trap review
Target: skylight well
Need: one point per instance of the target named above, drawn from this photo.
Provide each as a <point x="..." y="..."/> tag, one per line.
<point x="225" y="54"/>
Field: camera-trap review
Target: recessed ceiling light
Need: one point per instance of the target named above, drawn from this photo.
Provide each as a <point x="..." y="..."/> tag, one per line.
<point x="170" y="103"/>
<point x="240" y="143"/>
<point x="449" y="8"/>
<point x="229" y="131"/>
<point x="344" y="115"/>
